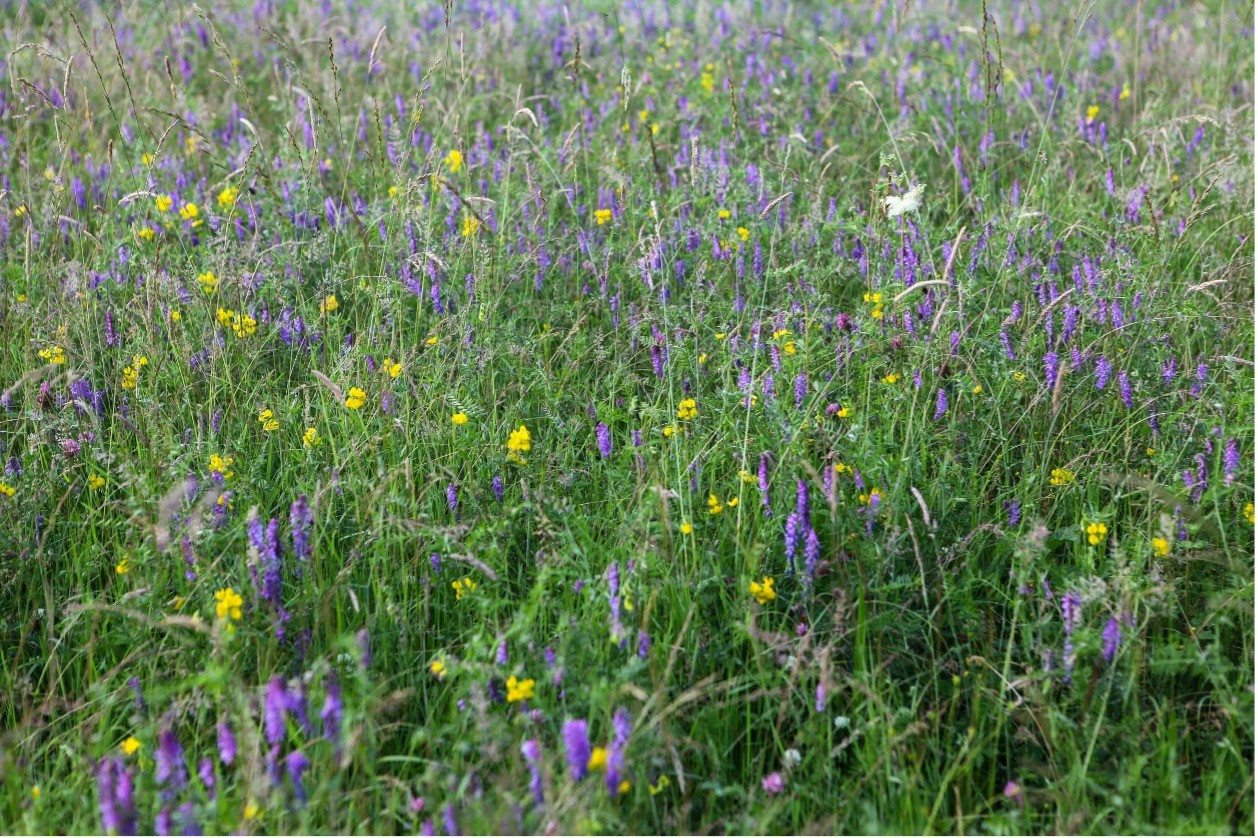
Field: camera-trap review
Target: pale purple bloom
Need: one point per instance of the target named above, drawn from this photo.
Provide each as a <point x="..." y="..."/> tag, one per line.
<point x="226" y="744"/>
<point x="604" y="437"/>
<point x="941" y="404"/>
<point x="1124" y="389"/>
<point x="171" y="770"/>
<point x="532" y="751"/>
<point x="1104" y="369"/>
<point x="1050" y="369"/>
<point x="297" y="763"/>
<point x="497" y="487"/>
<point x="275" y="710"/>
<point x="299" y="520"/>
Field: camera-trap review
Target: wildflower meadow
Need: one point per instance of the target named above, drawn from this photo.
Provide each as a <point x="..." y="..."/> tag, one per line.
<point x="626" y="417"/>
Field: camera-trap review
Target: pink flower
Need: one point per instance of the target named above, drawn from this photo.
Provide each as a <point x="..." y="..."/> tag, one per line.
<point x="773" y="784"/>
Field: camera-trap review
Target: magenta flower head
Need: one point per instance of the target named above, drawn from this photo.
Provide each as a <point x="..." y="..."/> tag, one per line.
<point x="773" y="784"/>
<point x="576" y="740"/>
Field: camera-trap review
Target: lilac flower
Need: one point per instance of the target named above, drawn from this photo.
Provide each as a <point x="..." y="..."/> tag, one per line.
<point x="299" y="520"/>
<point x="170" y="769"/>
<point x="604" y="437"/>
<point x="644" y="643"/>
<point x="791" y="536"/>
<point x="333" y="712"/>
<point x="1104" y="369"/>
<point x="226" y="744"/>
<point x="822" y="695"/>
<point x="116" y="794"/>
<point x="941" y="404"/>
<point x="1231" y="461"/>
<point x="613" y="600"/>
<point x="275" y="710"/>
<point x="296" y="764"/>
<point x="576" y="738"/>
<point x="497" y="487"/>
<point x="812" y="553"/>
<point x="532" y="751"/>
<point x="622" y="726"/>
<point x="1124" y="389"/>
<point x="1051" y="362"/>
<point x="801" y="389"/>
<point x="447" y="817"/>
<point x="1111" y="636"/>
<point x="205" y="770"/>
<point x="762" y="476"/>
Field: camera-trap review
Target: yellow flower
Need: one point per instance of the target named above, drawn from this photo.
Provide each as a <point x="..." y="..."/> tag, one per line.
<point x="189" y="211"/>
<point x="1019" y="375"/>
<point x="732" y="502"/>
<point x="146" y="159"/>
<point x="53" y="355"/>
<point x="874" y="298"/>
<point x="662" y="783"/>
<point x="978" y="388"/>
<point x="311" y="438"/>
<point x="438" y="668"/>
<point x="598" y="760"/>
<point x="329" y="304"/>
<point x="715" y="507"/>
<point x="703" y="357"/>
<point x="602" y="216"/>
<point x="227" y="197"/>
<point x="432" y="341"/>
<point x="744" y="233"/>
<point x="7" y="490"/>
<point x="268" y="421"/>
<point x="722" y="214"/>
<point x="222" y="465"/>
<point x="35" y="792"/>
<point x="518" y="690"/>
<point x="95" y="481"/>
<point x="891" y="378"/>
<point x="175" y="315"/>
<point x="669" y="430"/>
<point x="163" y="203"/>
<point x="130" y="745"/>
<point x="123" y="567"/>
<point x="1249" y="512"/>
<point x="686" y="528"/>
<point x="719" y="336"/>
<point x="1093" y="111"/>
<point x="357" y="398"/>
<point x="624" y="787"/>
<point x="454" y="160"/>
<point x="470" y="225"/>
<point x="1126" y="94"/>
<point x="1096" y="533"/>
<point x="1061" y="476"/>
<point x="1161" y="547"/>
<point x="843" y="412"/>
<point x="519" y="441"/>
<point x="462" y="587"/>
<point x="459" y="418"/>
<point x="394" y="369"/>
<point x="251" y="810"/>
<point x="687" y="409"/>
<point x="229" y="603"/>
<point x="839" y="468"/>
<point x="763" y="591"/>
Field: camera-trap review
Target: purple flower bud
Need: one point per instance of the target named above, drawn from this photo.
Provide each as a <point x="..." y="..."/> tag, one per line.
<point x="1124" y="389"/>
<point x="497" y="487"/>
<point x="604" y="437"/>
<point x="801" y="389"/>
<point x="1051" y="362"/>
<point x="333" y="712"/>
<point x="299" y="520"/>
<point x="941" y="404"/>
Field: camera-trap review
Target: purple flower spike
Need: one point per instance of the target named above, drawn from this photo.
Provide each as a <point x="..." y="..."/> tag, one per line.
<point x="576" y="739"/>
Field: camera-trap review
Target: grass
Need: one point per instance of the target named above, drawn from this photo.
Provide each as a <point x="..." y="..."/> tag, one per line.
<point x="908" y="408"/>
